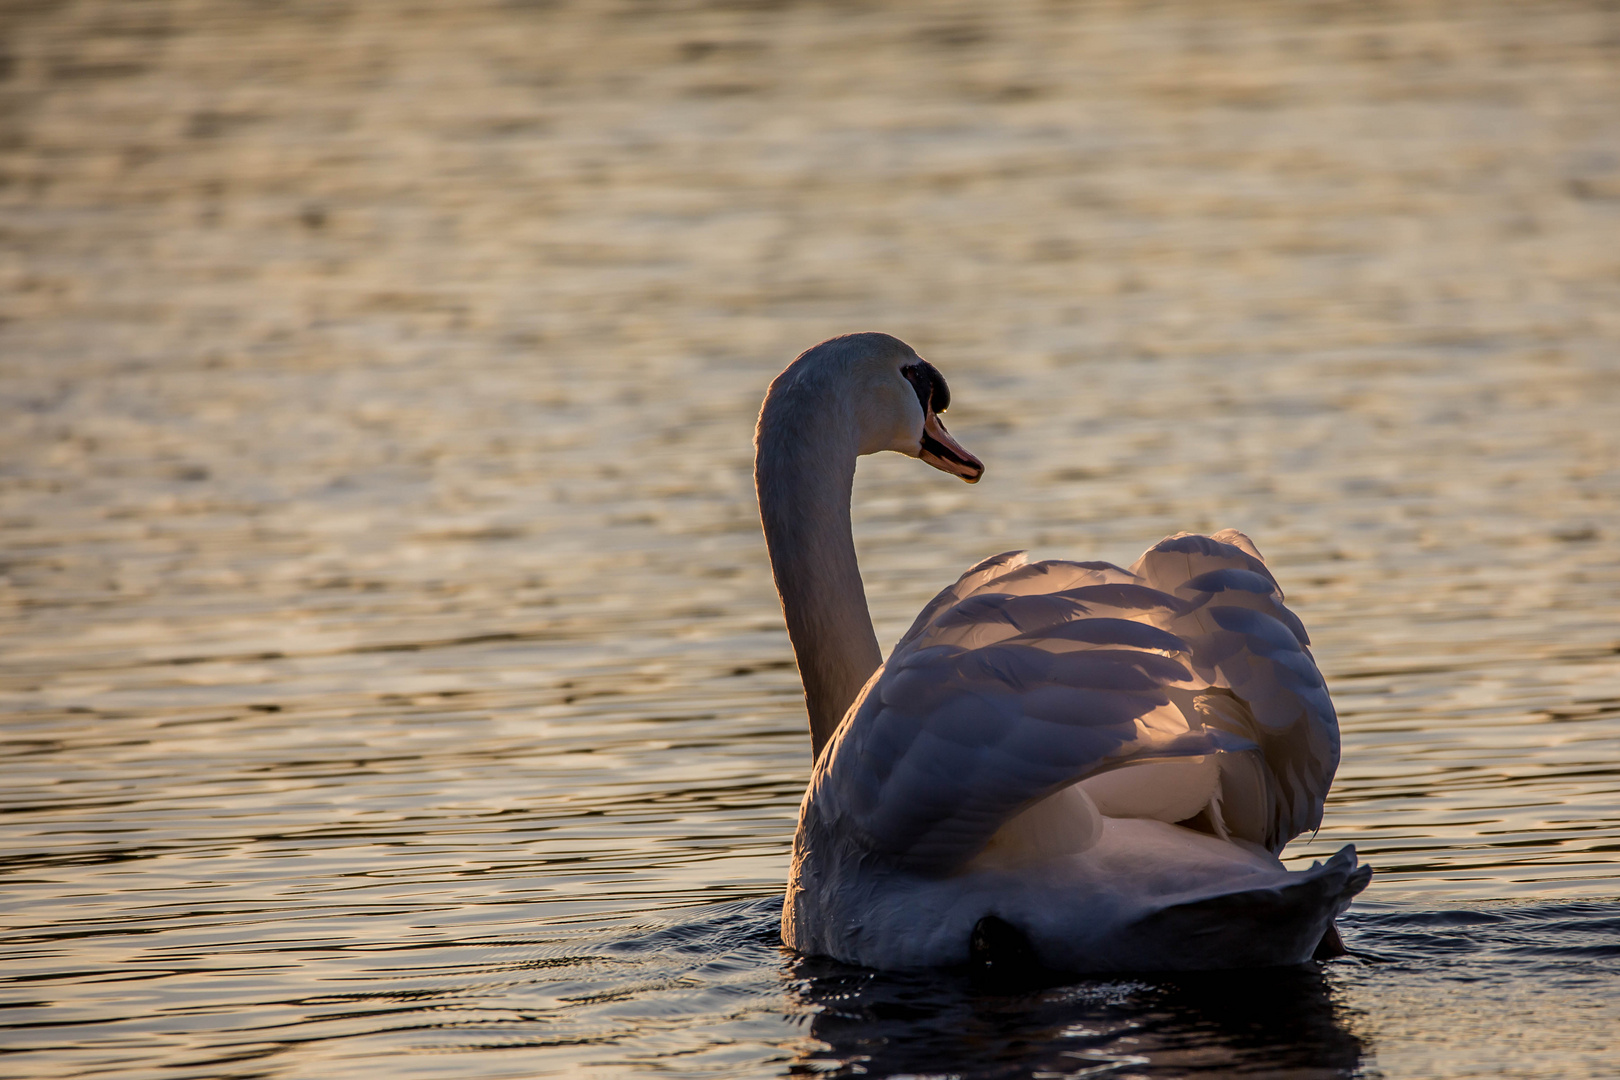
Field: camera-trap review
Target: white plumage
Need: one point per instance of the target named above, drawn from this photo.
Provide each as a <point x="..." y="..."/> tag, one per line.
<point x="1106" y="760"/>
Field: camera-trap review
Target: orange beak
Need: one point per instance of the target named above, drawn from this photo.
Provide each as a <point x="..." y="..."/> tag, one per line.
<point x="945" y="453"/>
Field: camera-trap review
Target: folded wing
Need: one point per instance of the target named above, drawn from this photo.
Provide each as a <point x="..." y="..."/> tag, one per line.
<point x="1023" y="678"/>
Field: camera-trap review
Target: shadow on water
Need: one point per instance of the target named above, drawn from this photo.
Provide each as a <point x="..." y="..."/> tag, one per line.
<point x="1263" y="1022"/>
<point x="1267" y="1022"/>
<point x="1450" y="968"/>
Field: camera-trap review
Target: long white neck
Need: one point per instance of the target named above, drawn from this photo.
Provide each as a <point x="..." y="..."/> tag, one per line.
<point x="804" y="467"/>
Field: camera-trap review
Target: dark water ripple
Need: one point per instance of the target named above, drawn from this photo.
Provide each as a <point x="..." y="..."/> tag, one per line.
<point x="709" y="991"/>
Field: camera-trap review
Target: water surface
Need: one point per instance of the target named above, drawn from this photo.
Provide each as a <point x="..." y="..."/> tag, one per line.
<point x="392" y="679"/>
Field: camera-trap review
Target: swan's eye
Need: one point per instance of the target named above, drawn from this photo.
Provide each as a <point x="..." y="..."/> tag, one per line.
<point x="925" y="379"/>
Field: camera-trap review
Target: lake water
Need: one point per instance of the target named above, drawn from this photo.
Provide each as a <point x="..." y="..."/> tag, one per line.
<point x="392" y="678"/>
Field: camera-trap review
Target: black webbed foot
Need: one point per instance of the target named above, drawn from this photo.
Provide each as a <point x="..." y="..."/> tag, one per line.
<point x="1000" y="954"/>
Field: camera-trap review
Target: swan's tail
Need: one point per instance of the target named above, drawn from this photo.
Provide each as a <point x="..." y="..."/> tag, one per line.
<point x="1277" y="925"/>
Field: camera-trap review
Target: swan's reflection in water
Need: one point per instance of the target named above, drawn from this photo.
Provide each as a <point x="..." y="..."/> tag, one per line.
<point x="1269" y="1022"/>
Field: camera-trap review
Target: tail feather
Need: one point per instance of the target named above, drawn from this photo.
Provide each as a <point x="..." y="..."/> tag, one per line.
<point x="1277" y="925"/>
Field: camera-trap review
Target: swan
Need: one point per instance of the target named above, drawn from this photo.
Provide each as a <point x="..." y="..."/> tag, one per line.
<point x="1064" y="764"/>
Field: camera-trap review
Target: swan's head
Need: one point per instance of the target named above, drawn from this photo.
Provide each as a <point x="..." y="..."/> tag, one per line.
<point x="894" y="398"/>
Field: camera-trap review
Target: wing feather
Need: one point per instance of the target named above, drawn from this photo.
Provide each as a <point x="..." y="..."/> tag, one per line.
<point x="1022" y="678"/>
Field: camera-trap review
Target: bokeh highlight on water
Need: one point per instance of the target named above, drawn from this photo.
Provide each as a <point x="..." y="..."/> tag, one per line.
<point x="392" y="678"/>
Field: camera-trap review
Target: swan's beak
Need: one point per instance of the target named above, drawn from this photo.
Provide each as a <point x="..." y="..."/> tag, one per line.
<point x="945" y="453"/>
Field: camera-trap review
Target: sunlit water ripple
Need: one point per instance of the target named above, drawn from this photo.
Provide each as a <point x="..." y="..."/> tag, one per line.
<point x="392" y="677"/>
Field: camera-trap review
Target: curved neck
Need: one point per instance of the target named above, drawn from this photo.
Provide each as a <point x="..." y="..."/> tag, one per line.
<point x="804" y="468"/>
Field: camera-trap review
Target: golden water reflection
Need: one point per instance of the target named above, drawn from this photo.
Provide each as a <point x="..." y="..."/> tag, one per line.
<point x="388" y="648"/>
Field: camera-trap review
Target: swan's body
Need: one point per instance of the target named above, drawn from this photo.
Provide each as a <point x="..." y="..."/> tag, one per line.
<point x="1106" y="760"/>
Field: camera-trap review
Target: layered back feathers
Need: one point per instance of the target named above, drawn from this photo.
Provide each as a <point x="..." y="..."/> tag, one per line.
<point x="1023" y="678"/>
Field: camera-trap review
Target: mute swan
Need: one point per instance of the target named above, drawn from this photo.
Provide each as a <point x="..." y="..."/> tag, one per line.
<point x="1066" y="763"/>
